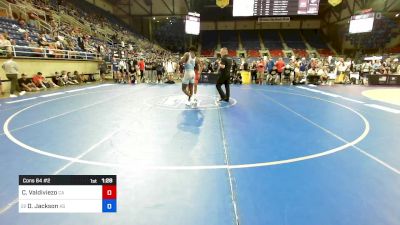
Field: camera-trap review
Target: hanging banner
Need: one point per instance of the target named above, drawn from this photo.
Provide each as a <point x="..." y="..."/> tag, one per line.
<point x="222" y="3"/>
<point x="334" y="2"/>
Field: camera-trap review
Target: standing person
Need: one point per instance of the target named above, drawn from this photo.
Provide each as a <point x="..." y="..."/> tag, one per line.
<point x="103" y="69"/>
<point x="160" y="71"/>
<point x="260" y="72"/>
<point x="270" y="65"/>
<point x="141" y="65"/>
<point x="10" y="68"/>
<point x="149" y="71"/>
<point x="280" y="65"/>
<point x="115" y="69"/>
<point x="189" y="61"/>
<point x="224" y="72"/>
<point x="170" y="67"/>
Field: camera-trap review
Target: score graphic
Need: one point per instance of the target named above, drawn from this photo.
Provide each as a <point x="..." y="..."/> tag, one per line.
<point x="109" y="198"/>
<point x="67" y="193"/>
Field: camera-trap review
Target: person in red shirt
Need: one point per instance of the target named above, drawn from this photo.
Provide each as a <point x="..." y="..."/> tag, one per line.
<point x="280" y="65"/>
<point x="41" y="82"/>
<point x="142" y="66"/>
<point x="260" y="71"/>
<point x="37" y="79"/>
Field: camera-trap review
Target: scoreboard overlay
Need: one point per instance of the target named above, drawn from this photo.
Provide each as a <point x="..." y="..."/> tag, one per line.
<point x="67" y="193"/>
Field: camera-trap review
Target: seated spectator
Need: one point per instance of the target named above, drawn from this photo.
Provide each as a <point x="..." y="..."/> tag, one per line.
<point x="58" y="47"/>
<point x="395" y="66"/>
<point x="65" y="78"/>
<point x="72" y="78"/>
<point x="288" y="73"/>
<point x="323" y="74"/>
<point x="41" y="82"/>
<point x="22" y="23"/>
<point x="79" y="77"/>
<point x="26" y="84"/>
<point x="5" y="45"/>
<point x="32" y="19"/>
<point x="273" y="76"/>
<point x="35" y="47"/>
<point x="312" y="76"/>
<point x="42" y="41"/>
<point x="57" y="79"/>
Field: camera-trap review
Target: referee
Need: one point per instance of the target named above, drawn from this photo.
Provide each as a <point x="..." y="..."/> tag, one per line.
<point x="224" y="75"/>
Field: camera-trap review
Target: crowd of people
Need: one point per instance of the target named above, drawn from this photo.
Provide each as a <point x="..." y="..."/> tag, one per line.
<point x="22" y="83"/>
<point x="64" y="39"/>
<point x="315" y="70"/>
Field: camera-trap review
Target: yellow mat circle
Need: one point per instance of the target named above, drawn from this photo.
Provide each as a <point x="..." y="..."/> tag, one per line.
<point x="391" y="96"/>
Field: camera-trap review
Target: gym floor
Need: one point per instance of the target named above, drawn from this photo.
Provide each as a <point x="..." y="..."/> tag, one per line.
<point x="282" y="155"/>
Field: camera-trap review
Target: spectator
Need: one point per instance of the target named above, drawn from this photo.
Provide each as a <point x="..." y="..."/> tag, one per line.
<point x="72" y="78"/>
<point x="288" y="73"/>
<point x="57" y="79"/>
<point x="322" y="72"/>
<point x="270" y="65"/>
<point x="260" y="72"/>
<point x="22" y="23"/>
<point x="142" y="66"/>
<point x="42" y="41"/>
<point x="65" y="78"/>
<point x="41" y="82"/>
<point x="280" y="65"/>
<point x="79" y="77"/>
<point x="273" y="76"/>
<point x="103" y="69"/>
<point x="10" y="68"/>
<point x="395" y="67"/>
<point x="26" y="84"/>
<point x="81" y="43"/>
<point x="5" y="45"/>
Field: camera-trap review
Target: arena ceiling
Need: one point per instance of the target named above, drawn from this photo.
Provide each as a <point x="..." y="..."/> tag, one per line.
<point x="209" y="10"/>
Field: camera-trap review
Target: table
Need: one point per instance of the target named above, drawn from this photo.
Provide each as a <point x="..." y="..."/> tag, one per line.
<point x="387" y="79"/>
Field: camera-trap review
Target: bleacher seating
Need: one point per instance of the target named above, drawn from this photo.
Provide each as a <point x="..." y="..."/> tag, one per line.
<point x="229" y="39"/>
<point x="271" y="39"/>
<point x="232" y="52"/>
<point x="395" y="49"/>
<point x="207" y="53"/>
<point x="250" y="40"/>
<point x="293" y="39"/>
<point x="253" y="53"/>
<point x="275" y="53"/>
<point x="325" y="52"/>
<point x="313" y="37"/>
<point x="300" y="53"/>
<point x="209" y="41"/>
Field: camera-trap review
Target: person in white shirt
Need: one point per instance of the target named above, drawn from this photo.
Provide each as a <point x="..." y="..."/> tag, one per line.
<point x="10" y="68"/>
<point x="5" y="45"/>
